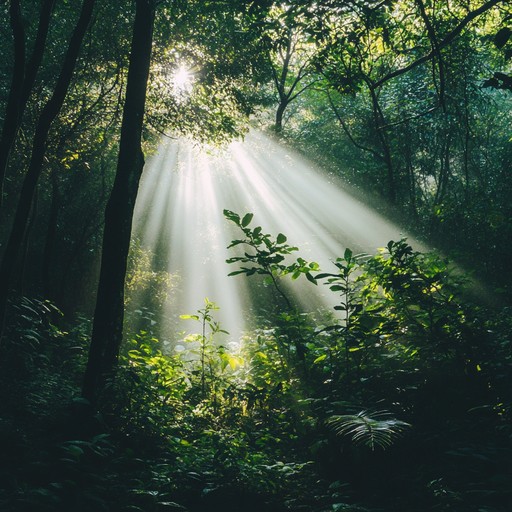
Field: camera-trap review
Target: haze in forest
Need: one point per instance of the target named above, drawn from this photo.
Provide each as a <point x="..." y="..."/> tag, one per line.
<point x="179" y="220"/>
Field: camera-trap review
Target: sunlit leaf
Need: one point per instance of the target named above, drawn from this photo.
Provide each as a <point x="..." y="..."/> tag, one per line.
<point x="189" y="317"/>
<point x="369" y="429"/>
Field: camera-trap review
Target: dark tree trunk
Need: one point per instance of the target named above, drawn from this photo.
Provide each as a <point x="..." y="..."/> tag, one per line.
<point x="49" y="113"/>
<point x="51" y="236"/>
<point x="278" y="127"/>
<point x="12" y="111"/>
<point x="411" y="179"/>
<point x="25" y="247"/>
<point x="109" y="312"/>
<point x="380" y="125"/>
<point x="23" y="79"/>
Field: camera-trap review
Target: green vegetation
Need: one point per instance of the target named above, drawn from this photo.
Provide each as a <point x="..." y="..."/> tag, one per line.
<point x="396" y="399"/>
<point x="399" y="402"/>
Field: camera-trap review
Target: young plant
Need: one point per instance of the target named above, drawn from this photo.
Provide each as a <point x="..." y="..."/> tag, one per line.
<point x="267" y="256"/>
<point x="214" y="359"/>
<point x="264" y="255"/>
<point x="209" y="328"/>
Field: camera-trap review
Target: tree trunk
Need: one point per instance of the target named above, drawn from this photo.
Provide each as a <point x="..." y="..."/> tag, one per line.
<point x="278" y="126"/>
<point x="22" y="80"/>
<point x="51" y="237"/>
<point x="380" y="125"/>
<point x="48" y="115"/>
<point x="109" y="313"/>
<point x="412" y="180"/>
<point x="12" y="111"/>
<point x="25" y="247"/>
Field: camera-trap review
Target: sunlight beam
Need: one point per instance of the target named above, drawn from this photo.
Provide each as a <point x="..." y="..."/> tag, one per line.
<point x="179" y="218"/>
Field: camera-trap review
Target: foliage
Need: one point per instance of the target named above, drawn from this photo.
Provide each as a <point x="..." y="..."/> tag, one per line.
<point x="368" y="428"/>
<point x="268" y="256"/>
<point x="207" y="425"/>
<point x="408" y="100"/>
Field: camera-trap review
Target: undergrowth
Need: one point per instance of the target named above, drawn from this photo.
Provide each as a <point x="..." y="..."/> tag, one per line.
<point x="399" y="400"/>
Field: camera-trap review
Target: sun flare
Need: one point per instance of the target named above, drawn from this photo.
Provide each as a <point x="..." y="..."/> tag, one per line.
<point x="182" y="81"/>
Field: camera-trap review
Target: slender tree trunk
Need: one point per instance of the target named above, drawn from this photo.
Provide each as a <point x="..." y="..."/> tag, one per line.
<point x="25" y="247"/>
<point x="278" y="126"/>
<point x="386" y="150"/>
<point x="444" y="169"/>
<point x="412" y="184"/>
<point x="22" y="80"/>
<point x="51" y="236"/>
<point x="12" y="111"/>
<point x="48" y="115"/>
<point x="109" y="312"/>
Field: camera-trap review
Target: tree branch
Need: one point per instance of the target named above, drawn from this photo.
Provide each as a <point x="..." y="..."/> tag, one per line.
<point x="347" y="132"/>
<point x="445" y="42"/>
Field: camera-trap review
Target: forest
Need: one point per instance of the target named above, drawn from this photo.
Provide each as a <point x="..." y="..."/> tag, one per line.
<point x="255" y="255"/>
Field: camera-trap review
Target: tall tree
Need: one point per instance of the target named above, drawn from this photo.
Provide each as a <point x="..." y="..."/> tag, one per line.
<point x="291" y="58"/>
<point x="108" y="316"/>
<point x="216" y="73"/>
<point x="23" y="78"/>
<point x="46" y="118"/>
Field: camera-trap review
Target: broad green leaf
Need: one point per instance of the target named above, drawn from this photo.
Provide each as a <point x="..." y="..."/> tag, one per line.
<point x="232" y="216"/>
<point x="236" y="272"/>
<point x="247" y="219"/>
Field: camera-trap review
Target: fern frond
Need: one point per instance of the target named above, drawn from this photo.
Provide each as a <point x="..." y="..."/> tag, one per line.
<point x="369" y="428"/>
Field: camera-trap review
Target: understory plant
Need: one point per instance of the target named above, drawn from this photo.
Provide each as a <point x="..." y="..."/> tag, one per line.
<point x="403" y="378"/>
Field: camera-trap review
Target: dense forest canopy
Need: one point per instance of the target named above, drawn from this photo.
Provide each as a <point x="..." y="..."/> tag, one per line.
<point x="397" y="399"/>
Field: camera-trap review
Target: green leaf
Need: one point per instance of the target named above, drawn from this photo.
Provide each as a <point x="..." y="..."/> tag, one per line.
<point x="232" y="216"/>
<point x="189" y="317"/>
<point x="369" y="428"/>
<point x="236" y="272"/>
<point x="310" y="278"/>
<point x="281" y="239"/>
<point x="320" y="358"/>
<point x="324" y="275"/>
<point x="247" y="219"/>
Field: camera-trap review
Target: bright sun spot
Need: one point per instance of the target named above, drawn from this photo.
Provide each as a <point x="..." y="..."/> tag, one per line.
<point x="182" y="81"/>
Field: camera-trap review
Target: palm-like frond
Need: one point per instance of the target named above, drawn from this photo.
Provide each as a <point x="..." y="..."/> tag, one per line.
<point x="368" y="428"/>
